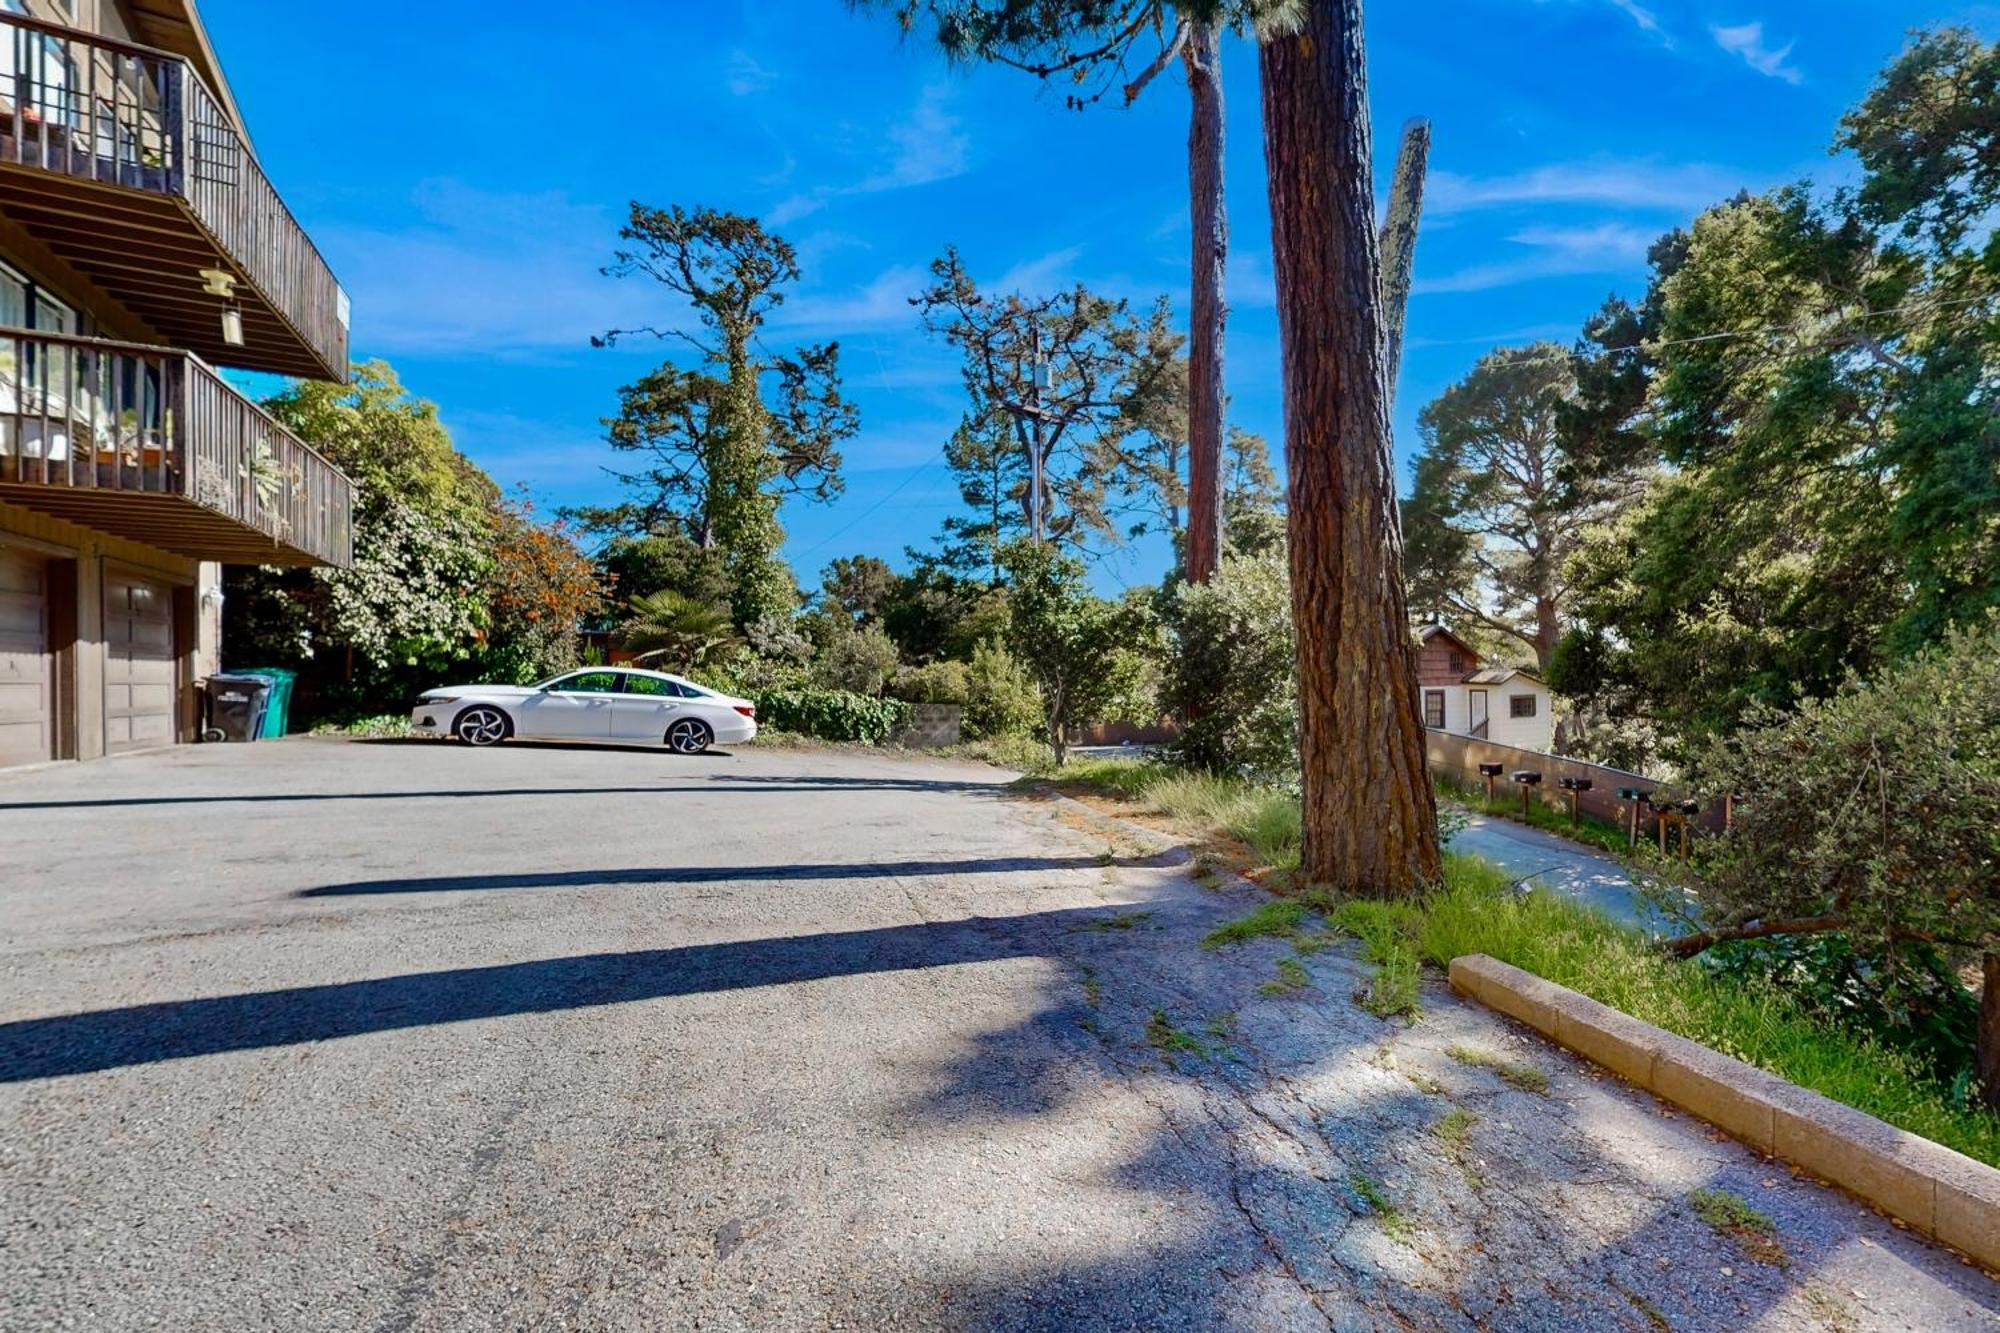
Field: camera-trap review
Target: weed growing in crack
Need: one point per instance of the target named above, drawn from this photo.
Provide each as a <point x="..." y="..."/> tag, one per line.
<point x="1656" y="1318"/>
<point x="1093" y="989"/>
<point x="1454" y="1131"/>
<point x="1292" y="978"/>
<point x="1395" y="1223"/>
<point x="1732" y="1215"/>
<point x="1223" y="1026"/>
<point x="1163" y="1036"/>
<point x="1122" y="921"/>
<point x="1280" y="917"/>
<point x="1525" y="1077"/>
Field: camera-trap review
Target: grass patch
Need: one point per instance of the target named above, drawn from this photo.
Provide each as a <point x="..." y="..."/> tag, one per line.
<point x="1122" y="921"/>
<point x="1279" y="917"/>
<point x="1291" y="979"/>
<point x="1093" y="989"/>
<point x="1163" y="1036"/>
<point x="1757" y="1022"/>
<point x="1731" y="1215"/>
<point x="1395" y="1223"/>
<point x="1388" y="935"/>
<point x="1454" y="1129"/>
<point x="1525" y="1077"/>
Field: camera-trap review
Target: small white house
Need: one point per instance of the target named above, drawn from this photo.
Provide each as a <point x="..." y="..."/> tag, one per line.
<point x="1509" y="705"/>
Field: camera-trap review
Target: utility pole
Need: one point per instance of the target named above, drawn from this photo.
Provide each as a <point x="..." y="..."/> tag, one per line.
<point x="1038" y="370"/>
<point x="1034" y="439"/>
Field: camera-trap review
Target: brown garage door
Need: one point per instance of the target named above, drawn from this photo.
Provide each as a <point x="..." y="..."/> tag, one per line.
<point x="138" y="662"/>
<point x="27" y="667"/>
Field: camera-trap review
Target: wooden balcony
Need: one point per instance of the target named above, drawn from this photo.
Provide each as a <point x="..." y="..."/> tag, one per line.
<point x="123" y="162"/>
<point x="150" y="443"/>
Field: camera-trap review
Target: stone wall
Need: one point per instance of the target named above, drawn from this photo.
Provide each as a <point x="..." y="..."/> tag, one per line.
<point x="931" y="726"/>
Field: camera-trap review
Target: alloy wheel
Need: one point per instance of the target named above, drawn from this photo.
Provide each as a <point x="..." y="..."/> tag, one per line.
<point x="482" y="726"/>
<point x="687" y="737"/>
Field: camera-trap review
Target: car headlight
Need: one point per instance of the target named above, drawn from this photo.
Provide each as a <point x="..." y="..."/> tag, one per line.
<point x="438" y="699"/>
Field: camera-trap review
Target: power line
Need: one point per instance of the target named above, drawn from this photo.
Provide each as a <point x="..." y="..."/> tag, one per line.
<point x="921" y="468"/>
<point x="1754" y="331"/>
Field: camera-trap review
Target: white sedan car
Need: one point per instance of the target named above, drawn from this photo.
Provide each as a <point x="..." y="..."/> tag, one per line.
<point x="613" y="704"/>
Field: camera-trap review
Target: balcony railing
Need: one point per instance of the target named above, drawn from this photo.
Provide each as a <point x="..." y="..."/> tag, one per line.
<point x="150" y="443"/>
<point x="90" y="108"/>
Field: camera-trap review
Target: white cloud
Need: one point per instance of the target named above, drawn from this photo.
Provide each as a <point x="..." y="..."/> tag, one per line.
<point x="746" y="76"/>
<point x="1041" y="276"/>
<point x="883" y="302"/>
<point x="1637" y="185"/>
<point x="1747" y="40"/>
<point x="927" y="145"/>
<point x="1648" y="21"/>
<point x="1610" y="247"/>
<point x="516" y="450"/>
<point x="494" y="272"/>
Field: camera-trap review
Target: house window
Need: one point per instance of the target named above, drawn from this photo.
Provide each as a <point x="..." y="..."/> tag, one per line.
<point x="1434" y="709"/>
<point x="1457" y="664"/>
<point x="1520" y="705"/>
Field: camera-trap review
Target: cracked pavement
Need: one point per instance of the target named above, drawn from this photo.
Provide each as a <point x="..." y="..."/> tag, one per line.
<point x="330" y="1035"/>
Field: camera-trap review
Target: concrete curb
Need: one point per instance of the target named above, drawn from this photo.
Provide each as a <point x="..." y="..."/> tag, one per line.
<point x="1941" y="1193"/>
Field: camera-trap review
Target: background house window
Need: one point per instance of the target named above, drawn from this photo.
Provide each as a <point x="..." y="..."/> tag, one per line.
<point x="1434" y="709"/>
<point x="1520" y="705"/>
<point x="1457" y="663"/>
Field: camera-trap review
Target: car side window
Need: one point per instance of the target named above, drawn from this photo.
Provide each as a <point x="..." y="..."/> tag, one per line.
<point x="588" y="682"/>
<point x="653" y="686"/>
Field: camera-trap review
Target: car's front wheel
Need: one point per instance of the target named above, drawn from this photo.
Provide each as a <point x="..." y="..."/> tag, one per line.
<point x="482" y="726"/>
<point x="688" y="736"/>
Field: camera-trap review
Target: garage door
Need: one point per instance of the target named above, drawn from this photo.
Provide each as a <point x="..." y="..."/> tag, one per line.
<point x="138" y="663"/>
<point x="27" y="667"/>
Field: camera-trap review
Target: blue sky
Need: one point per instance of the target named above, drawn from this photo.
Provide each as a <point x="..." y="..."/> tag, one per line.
<point x="465" y="167"/>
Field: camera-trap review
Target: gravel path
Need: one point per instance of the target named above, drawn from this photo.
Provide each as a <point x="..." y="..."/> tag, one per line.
<point x="317" y="1035"/>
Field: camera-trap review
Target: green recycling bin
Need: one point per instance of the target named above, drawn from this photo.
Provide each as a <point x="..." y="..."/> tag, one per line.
<point x="278" y="700"/>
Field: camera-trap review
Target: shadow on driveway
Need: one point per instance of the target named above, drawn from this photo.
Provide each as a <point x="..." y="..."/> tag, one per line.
<point x="172" y="1030"/>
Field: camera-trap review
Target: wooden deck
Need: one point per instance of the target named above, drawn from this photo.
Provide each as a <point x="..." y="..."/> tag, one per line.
<point x="123" y="162"/>
<point x="151" y="444"/>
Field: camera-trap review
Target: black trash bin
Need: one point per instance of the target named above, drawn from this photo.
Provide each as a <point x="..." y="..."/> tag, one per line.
<point x="233" y="707"/>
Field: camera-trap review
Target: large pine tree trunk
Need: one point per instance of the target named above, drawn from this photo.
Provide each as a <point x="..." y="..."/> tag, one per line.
<point x="1202" y="55"/>
<point x="1370" y="819"/>
<point x="1399" y="242"/>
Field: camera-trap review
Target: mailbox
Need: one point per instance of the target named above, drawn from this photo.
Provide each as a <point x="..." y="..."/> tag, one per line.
<point x="1491" y="770"/>
<point x="1528" y="776"/>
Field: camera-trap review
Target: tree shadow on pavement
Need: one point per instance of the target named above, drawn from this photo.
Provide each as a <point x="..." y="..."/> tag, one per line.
<point x="782" y="872"/>
<point x="1279" y="1163"/>
<point x="171" y="1030"/>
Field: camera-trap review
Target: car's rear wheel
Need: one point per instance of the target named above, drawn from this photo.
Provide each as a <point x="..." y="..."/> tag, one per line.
<point x="482" y="726"/>
<point x="688" y="736"/>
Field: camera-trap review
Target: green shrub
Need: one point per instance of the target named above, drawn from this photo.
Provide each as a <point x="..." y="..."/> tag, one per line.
<point x="859" y="660"/>
<point x="1233" y="680"/>
<point x="1000" y="695"/>
<point x="1872" y="812"/>
<point x="830" y="715"/>
<point x="933" y="683"/>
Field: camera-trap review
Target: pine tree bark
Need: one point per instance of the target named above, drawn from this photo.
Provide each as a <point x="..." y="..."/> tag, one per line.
<point x="1202" y="55"/>
<point x="1399" y="241"/>
<point x="1370" y="821"/>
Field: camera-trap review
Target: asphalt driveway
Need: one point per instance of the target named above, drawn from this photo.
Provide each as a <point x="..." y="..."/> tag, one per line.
<point x="326" y="1035"/>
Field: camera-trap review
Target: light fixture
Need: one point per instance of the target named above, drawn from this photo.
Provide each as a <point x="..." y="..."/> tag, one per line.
<point x="218" y="282"/>
<point x="232" y="326"/>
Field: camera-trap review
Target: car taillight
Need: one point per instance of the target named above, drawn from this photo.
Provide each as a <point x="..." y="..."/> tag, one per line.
<point x="748" y="710"/>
